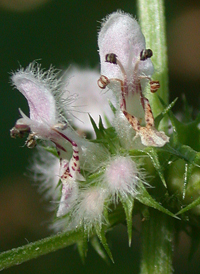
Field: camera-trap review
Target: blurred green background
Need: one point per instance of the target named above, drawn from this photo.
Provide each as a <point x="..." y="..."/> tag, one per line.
<point x="61" y="32"/>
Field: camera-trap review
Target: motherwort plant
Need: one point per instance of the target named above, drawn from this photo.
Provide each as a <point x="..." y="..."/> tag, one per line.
<point x="129" y="168"/>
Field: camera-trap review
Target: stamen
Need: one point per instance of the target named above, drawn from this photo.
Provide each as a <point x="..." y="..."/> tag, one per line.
<point x="145" y="54"/>
<point x="15" y="133"/>
<point x="154" y="86"/>
<point x="19" y="129"/>
<point x="31" y="141"/>
<point x="112" y="58"/>
<point x="103" y="82"/>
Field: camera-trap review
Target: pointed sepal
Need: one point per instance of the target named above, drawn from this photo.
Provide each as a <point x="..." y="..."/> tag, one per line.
<point x="101" y="235"/>
<point x="128" y="205"/>
<point x="152" y="153"/>
<point x="99" y="249"/>
<point x="145" y="198"/>
<point x="189" y="207"/>
<point x="98" y="132"/>
<point x="164" y="112"/>
<point x="83" y="247"/>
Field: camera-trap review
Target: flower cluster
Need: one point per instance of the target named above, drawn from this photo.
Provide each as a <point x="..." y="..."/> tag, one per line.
<point x="83" y="178"/>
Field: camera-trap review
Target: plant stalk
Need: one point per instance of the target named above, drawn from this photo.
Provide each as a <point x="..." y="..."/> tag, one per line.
<point x="157" y="244"/>
<point x="152" y="22"/>
<point x="30" y="251"/>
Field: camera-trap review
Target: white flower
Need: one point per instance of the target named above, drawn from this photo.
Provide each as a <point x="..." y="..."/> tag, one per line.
<point x="126" y="68"/>
<point x="39" y="88"/>
<point x="43" y="91"/>
<point x="89" y="98"/>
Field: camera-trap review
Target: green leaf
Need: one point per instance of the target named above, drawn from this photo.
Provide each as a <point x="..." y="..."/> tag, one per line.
<point x="145" y="198"/>
<point x="182" y="132"/>
<point x="190" y="206"/>
<point x="117" y="216"/>
<point x="152" y="152"/>
<point x="164" y="112"/>
<point x="98" y="248"/>
<point x="128" y="205"/>
<point x="182" y="151"/>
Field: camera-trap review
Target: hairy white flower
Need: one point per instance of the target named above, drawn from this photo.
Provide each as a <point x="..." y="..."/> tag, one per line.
<point x="126" y="68"/>
<point x="41" y="89"/>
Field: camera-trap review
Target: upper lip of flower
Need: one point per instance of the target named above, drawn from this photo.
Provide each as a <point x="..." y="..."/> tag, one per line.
<point x="120" y="34"/>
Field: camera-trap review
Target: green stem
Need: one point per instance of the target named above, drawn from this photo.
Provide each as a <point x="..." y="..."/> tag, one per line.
<point x="38" y="248"/>
<point x="152" y="21"/>
<point x="33" y="250"/>
<point x="157" y="244"/>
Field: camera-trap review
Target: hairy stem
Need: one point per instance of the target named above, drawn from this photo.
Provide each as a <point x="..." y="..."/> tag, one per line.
<point x="157" y="244"/>
<point x="38" y="248"/>
<point x="152" y="21"/>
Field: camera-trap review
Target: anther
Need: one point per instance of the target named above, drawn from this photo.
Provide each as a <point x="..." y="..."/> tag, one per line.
<point x="111" y="58"/>
<point x="19" y="129"/>
<point x="31" y="141"/>
<point x="145" y="54"/>
<point x="154" y="86"/>
<point x="103" y="81"/>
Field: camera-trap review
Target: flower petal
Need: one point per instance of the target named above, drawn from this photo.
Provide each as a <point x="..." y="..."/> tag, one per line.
<point x="36" y="88"/>
<point x="89" y="97"/>
<point x="68" y="197"/>
<point x="120" y="34"/>
<point x="152" y="137"/>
